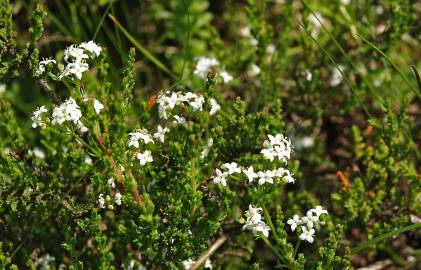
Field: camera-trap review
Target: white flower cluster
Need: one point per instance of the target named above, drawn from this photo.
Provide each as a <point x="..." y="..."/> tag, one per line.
<point x="139" y="134"/>
<point x="206" y="64"/>
<point x="168" y="100"/>
<point x="75" y="58"/>
<point x="68" y="111"/>
<point x="143" y="135"/>
<point x="307" y="223"/>
<point x="245" y="32"/>
<point x="254" y="221"/>
<point x="145" y="157"/>
<point x="277" y="146"/>
<point x="108" y="200"/>
<point x="37" y="118"/>
<point x="189" y="263"/>
<point x="44" y="62"/>
<point x="46" y="261"/>
<point x="262" y="176"/>
<point x="134" y="137"/>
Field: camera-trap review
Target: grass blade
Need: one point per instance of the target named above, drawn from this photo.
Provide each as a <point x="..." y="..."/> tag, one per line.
<point x="383" y="237"/>
<point x="142" y="49"/>
<point x="389" y="61"/>
<point x="101" y="21"/>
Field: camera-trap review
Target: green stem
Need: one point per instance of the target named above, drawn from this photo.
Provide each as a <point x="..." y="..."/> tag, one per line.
<point x="274" y="250"/>
<point x="269" y="221"/>
<point x="296" y="247"/>
<point x="383" y="237"/>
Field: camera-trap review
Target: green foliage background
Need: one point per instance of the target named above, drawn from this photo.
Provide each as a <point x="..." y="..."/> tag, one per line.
<point x="367" y="127"/>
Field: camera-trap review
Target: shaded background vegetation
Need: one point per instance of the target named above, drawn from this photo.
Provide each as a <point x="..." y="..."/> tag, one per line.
<point x="356" y="134"/>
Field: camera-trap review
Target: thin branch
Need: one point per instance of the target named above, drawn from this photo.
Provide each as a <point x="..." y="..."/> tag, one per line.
<point x="209" y="252"/>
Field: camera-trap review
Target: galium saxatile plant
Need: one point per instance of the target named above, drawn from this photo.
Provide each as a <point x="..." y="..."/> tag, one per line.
<point x="226" y="146"/>
<point x="151" y="154"/>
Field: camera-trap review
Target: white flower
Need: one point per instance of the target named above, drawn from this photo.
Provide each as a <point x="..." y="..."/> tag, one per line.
<point x="214" y="106"/>
<point x="254" y="214"/>
<point x="98" y="106"/>
<point x="43" y="63"/>
<point x="204" y="65"/>
<point x="144" y="157"/>
<point x="254" y="42"/>
<point x="160" y="133"/>
<point x="317" y="22"/>
<point x="271" y="48"/>
<point x="265" y="177"/>
<point x="318" y="211"/>
<point x="294" y="222"/>
<point x="136" y="135"/>
<point x="76" y="69"/>
<point x="38" y="153"/>
<point x="91" y="47"/>
<point x="2" y="88"/>
<point x="81" y="127"/>
<point x="179" y="120"/>
<point x="197" y="103"/>
<point x="284" y="174"/>
<point x="188" y="264"/>
<point x="135" y="265"/>
<point x="309" y="219"/>
<point x="254" y="221"/>
<point x="226" y="76"/>
<point x="307" y="142"/>
<point x="68" y="111"/>
<point x="277" y="146"/>
<point x="277" y="139"/>
<point x="46" y="262"/>
<point x="309" y="75"/>
<point x="117" y="198"/>
<point x="245" y="31"/>
<point x="232" y="168"/>
<point x="220" y="177"/>
<point x="37" y="117"/>
<point x="261" y="227"/>
<point x="167" y="103"/>
<point x="336" y="77"/>
<point x="101" y="201"/>
<point x="307" y="234"/>
<point x="78" y="54"/>
<point x="250" y="173"/>
<point x="208" y="264"/>
<point x="88" y="160"/>
<point x="206" y="149"/>
<point x="269" y="153"/>
<point x="254" y="71"/>
<point x="111" y="182"/>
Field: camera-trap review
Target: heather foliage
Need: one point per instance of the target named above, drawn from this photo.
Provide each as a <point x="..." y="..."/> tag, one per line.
<point x="202" y="134"/>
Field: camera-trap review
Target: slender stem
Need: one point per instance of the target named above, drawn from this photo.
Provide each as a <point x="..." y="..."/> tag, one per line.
<point x="209" y="252"/>
<point x="274" y="250"/>
<point x="385" y="236"/>
<point x="269" y="221"/>
<point x="297" y="245"/>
